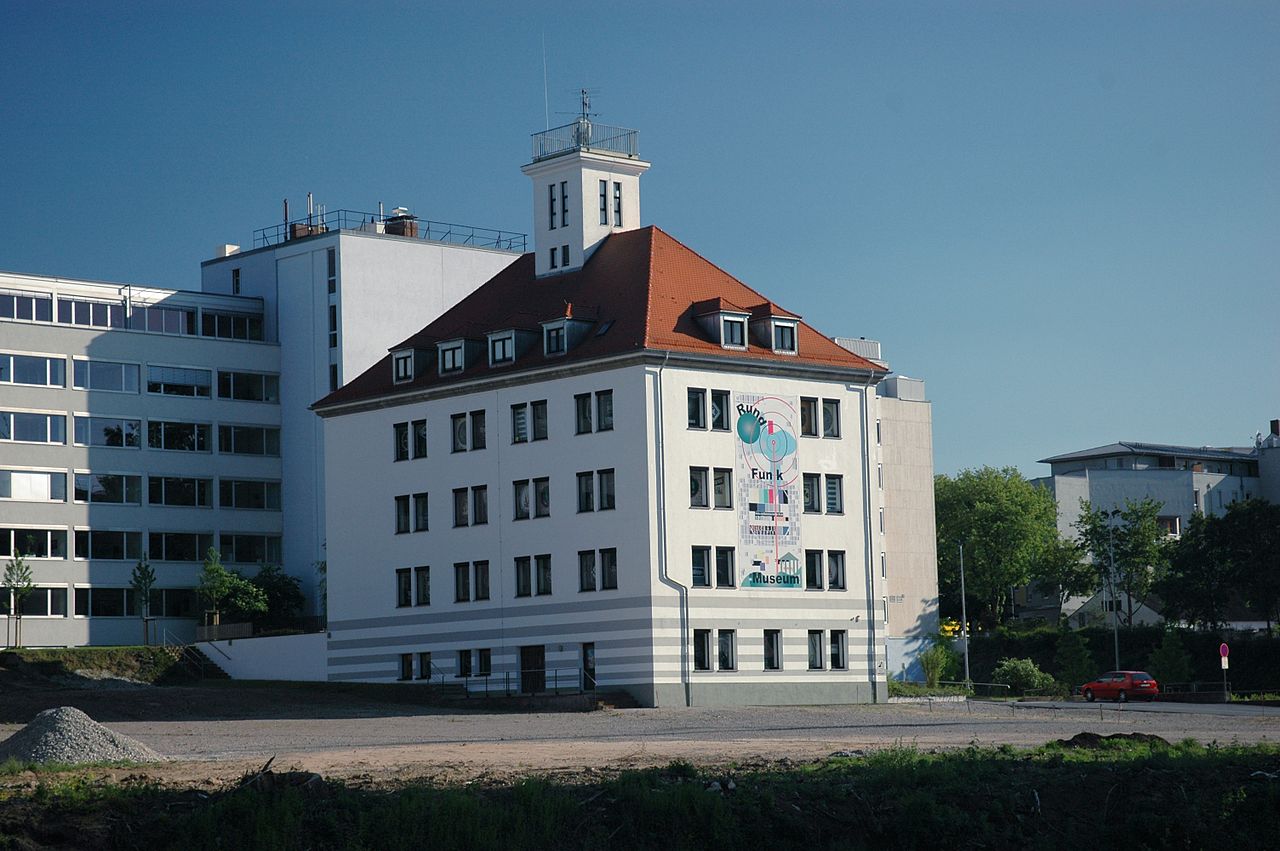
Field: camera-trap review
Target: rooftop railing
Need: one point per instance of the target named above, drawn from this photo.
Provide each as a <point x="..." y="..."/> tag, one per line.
<point x="585" y="135"/>
<point x="355" y="220"/>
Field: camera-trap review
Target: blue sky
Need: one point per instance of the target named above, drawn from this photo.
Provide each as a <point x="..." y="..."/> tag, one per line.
<point x="1063" y="216"/>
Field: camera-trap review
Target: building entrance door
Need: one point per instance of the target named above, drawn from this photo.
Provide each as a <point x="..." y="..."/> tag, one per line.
<point x="589" y="666"/>
<point x="533" y="669"/>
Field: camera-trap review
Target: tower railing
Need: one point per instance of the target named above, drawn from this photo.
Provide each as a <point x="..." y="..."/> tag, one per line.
<point x="584" y="134"/>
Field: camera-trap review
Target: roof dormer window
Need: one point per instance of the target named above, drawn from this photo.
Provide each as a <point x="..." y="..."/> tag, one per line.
<point x="784" y="337"/>
<point x="451" y="359"/>
<point x="402" y="367"/>
<point x="553" y="342"/>
<point x="502" y="348"/>
<point x="733" y="332"/>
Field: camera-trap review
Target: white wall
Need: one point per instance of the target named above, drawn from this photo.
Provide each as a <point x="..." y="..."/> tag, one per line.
<point x="276" y="657"/>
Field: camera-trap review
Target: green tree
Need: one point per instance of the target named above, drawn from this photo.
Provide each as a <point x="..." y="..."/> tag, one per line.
<point x="1201" y="579"/>
<point x="1073" y="661"/>
<point x="1062" y="570"/>
<point x="1127" y="547"/>
<point x="17" y="578"/>
<point x="1250" y="538"/>
<point x="225" y="589"/>
<point x="939" y="661"/>
<point x="283" y="594"/>
<point x="1004" y="522"/>
<point x="143" y="580"/>
<point x="1021" y="675"/>
<point x="1170" y="662"/>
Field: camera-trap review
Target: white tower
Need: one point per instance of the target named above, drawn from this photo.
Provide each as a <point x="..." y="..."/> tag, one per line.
<point x="586" y="185"/>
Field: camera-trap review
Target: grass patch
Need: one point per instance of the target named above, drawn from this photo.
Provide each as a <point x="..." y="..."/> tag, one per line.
<point x="1182" y="795"/>
<point x="11" y="767"/>
<point x="144" y="664"/>
<point x="901" y="689"/>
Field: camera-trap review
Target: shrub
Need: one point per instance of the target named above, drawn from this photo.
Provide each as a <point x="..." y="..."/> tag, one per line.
<point x="1170" y="662"/>
<point x="1073" y="661"/>
<point x="939" y="661"/>
<point x="1022" y="675"/>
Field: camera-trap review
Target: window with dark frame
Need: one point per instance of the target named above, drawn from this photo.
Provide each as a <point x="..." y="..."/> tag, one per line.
<point x="839" y="649"/>
<point x="830" y="417"/>
<point x="697" y="408"/>
<point x="521" y="496"/>
<point x="484" y="662"/>
<point x="477" y="430"/>
<point x="605" y="490"/>
<point x="582" y="413"/>
<point x="813" y="570"/>
<point x="464" y="663"/>
<point x="480" y="569"/>
<point x="733" y="332"/>
<point x="462" y="582"/>
<point x="451" y="358"/>
<point x="773" y="650"/>
<point x="784" y="337"/>
<point x="419" y="431"/>
<point x="551" y="213"/>
<point x="460" y="506"/>
<point x="520" y="423"/>
<point x="542" y="569"/>
<point x="420" y="512"/>
<point x="604" y="410"/>
<point x="727" y="658"/>
<point x="333" y="328"/>
<point x="586" y="491"/>
<point x="604" y="202"/>
<point x="702" y="650"/>
<point x="479" y="505"/>
<point x="609" y="569"/>
<point x="406" y="666"/>
<point x="812" y="493"/>
<point x="422" y="586"/>
<point x="403" y="365"/>
<point x="720" y="416"/>
<point x="724" y="567"/>
<point x="815" y="650"/>
<point x="553" y="340"/>
<point x="701" y="559"/>
<point x="404" y="592"/>
<point x="586" y="570"/>
<point x="501" y="350"/>
<point x="402" y="514"/>
<point x="424" y="665"/>
<point x="698" y="497"/>
<point x="617" y="204"/>
<point x="458" y="429"/>
<point x="538" y="414"/>
<point x="523" y="577"/>
<point x="400" y="431"/>
<point x="542" y="497"/>
<point x="835" y="495"/>
<point x="808" y="417"/>
<point x="722" y="487"/>
<point x="835" y="570"/>
<point x="553" y="251"/>
<point x="564" y="203"/>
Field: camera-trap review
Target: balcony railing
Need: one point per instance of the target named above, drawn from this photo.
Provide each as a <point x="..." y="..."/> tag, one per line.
<point x="355" y="220"/>
<point x="585" y="135"/>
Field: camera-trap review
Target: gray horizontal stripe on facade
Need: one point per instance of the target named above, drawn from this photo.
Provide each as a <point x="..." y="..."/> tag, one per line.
<point x="553" y="632"/>
<point x="474" y="613"/>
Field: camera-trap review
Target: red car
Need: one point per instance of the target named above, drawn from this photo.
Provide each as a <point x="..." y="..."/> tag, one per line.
<point x="1121" y="685"/>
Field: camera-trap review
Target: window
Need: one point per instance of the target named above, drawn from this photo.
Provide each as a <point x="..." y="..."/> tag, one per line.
<point x="617" y="205"/>
<point x="812" y="493"/>
<point x="451" y="359"/>
<point x="464" y="663"/>
<point x="808" y="417"/>
<point x="835" y="495"/>
<point x="227" y="326"/>
<point x="400" y="439"/>
<point x="419" y="429"/>
<point x="728" y="655"/>
<point x="419" y="512"/>
<point x="477" y="430"/>
<point x="172" y="490"/>
<point x="105" y="375"/>
<point x="720" y="410"/>
<point x="835" y="570"/>
<point x="607" y="502"/>
<point x="480" y="570"/>
<point x="551" y="208"/>
<point x="333" y="337"/>
<point x="564" y="203"/>
<point x="41" y="602"/>
<point x="880" y="476"/>
<point x="402" y="514"/>
<point x="702" y="650"/>
<point x="422" y="586"/>
<point x="701" y="567"/>
<point x="587" y="570"/>
<point x="37" y="543"/>
<point x="406" y="666"/>
<point x="484" y="662"/>
<point x="520" y="423"/>
<point x="541" y="497"/>
<point x="553" y="340"/>
<point x="538" y="412"/>
<point x="118" y="489"/>
<point x="242" y="386"/>
<point x="179" y="546"/>
<point x="479" y="505"/>
<point x="237" y="493"/>
<point x="404" y="590"/>
<point x="247" y="440"/>
<point x="815" y="650"/>
<point x="553" y="256"/>
<point x="784" y="337"/>
<point x="424" y="665"/>
<point x="877" y="432"/>
<point x="101" y="314"/>
<point x="43" y="428"/>
<point x="33" y="486"/>
<point x="235" y="280"/>
<point x="604" y="202"/>
<point x="179" y="381"/>
<point x="586" y="491"/>
<point x="331" y="258"/>
<point x="27" y="306"/>
<point x="884" y="566"/>
<point x="462" y="582"/>
<point x="724" y="567"/>
<point x="722" y="487"/>
<point x="773" y="650"/>
<point x="830" y="417"/>
<point x="458" y="427"/>
<point x="521" y="489"/>
<point x="733" y="333"/>
<point x="461" y="504"/>
<point x="609" y="569"/>
<point x="604" y="410"/>
<point x="543" y="565"/>
<point x="697" y="408"/>
<point x="813" y="570"/>
<point x="35" y="371"/>
<point x="564" y="255"/>
<point x="502" y="349"/>
<point x="102" y="431"/>
<point x="402" y="364"/>
<point x="882" y="521"/>
<point x="582" y="413"/>
<point x="194" y="437"/>
<point x="333" y="377"/>
<point x="839" y="650"/>
<point x="698" y="487"/>
<point x="523" y="581"/>
<point x="108" y="544"/>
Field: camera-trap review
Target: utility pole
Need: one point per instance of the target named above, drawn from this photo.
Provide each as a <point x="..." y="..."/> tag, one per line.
<point x="1115" y="601"/>
<point x="964" y="615"/>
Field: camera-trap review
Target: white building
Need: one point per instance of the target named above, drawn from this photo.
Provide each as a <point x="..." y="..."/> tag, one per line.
<point x="613" y="464"/>
<point x="139" y="420"/>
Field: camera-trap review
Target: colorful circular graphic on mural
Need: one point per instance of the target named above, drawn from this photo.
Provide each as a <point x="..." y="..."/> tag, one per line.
<point x="766" y="430"/>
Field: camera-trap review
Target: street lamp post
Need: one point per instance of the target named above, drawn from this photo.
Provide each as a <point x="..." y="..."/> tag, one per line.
<point x="964" y="615"/>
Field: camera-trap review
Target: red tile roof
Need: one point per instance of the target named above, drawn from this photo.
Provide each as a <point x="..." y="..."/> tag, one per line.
<point x="647" y="283"/>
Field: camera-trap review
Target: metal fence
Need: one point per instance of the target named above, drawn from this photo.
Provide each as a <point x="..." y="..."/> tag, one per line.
<point x="533" y="681"/>
<point x="586" y="135"/>
<point x="355" y="220"/>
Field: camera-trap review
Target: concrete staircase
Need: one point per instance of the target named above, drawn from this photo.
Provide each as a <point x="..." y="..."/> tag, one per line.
<point x="195" y="662"/>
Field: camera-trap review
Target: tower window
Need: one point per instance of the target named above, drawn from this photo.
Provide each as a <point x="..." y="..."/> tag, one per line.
<point x="604" y="202"/>
<point x="235" y="282"/>
<point x="551" y="207"/>
<point x="617" y="205"/>
<point x="564" y="255"/>
<point x="553" y="256"/>
<point x="564" y="204"/>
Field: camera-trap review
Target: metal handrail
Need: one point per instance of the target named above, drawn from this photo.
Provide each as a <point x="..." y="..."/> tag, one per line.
<point x="553" y="682"/>
<point x="426" y="229"/>
<point x="584" y="134"/>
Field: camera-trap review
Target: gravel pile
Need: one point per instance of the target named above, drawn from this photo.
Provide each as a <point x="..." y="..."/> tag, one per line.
<point x="67" y="735"/>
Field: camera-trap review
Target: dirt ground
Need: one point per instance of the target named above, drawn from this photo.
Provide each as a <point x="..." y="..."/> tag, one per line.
<point x="215" y="734"/>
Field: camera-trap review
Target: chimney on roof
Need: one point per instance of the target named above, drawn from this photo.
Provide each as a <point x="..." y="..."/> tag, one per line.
<point x="1275" y="427"/>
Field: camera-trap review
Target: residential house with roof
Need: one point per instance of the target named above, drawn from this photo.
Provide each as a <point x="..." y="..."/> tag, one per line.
<point x="612" y="465"/>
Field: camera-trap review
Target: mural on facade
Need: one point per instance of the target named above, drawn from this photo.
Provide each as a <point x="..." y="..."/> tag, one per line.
<point x="768" y="491"/>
